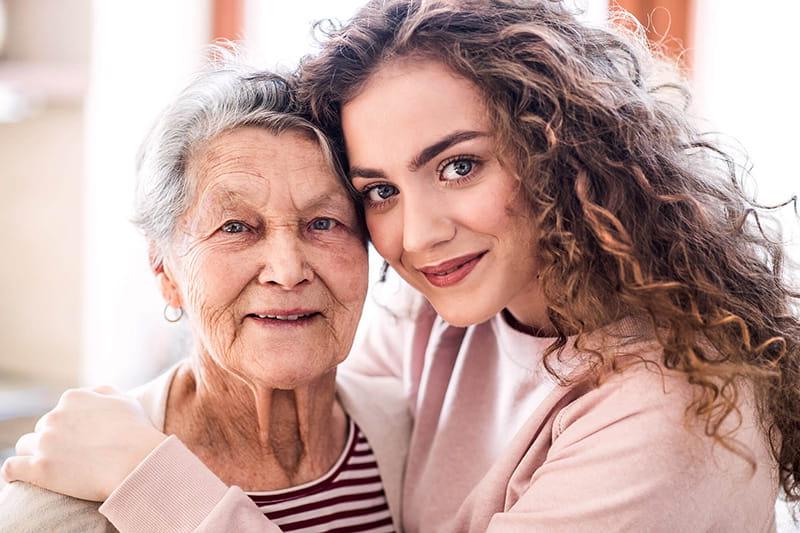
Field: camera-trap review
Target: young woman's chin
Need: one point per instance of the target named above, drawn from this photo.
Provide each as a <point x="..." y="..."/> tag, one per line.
<point x="463" y="318"/>
<point x="460" y="308"/>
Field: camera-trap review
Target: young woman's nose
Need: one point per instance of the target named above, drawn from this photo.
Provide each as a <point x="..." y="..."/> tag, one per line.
<point x="425" y="221"/>
<point x="285" y="263"/>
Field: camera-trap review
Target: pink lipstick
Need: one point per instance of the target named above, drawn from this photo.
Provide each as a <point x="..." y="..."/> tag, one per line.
<point x="452" y="271"/>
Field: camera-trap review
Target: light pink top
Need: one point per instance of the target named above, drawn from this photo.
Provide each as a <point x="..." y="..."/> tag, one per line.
<point x="498" y="446"/>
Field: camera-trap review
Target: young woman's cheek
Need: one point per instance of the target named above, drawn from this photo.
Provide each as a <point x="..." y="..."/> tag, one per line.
<point x="386" y="233"/>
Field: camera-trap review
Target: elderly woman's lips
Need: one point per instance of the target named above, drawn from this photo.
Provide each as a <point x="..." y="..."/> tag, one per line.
<point x="285" y="318"/>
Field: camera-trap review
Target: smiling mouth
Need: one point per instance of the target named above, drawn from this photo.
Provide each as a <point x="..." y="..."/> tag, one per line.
<point x="288" y="319"/>
<point x="453" y="271"/>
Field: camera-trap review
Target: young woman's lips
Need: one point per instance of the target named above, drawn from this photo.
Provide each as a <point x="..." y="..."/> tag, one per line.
<point x="451" y="272"/>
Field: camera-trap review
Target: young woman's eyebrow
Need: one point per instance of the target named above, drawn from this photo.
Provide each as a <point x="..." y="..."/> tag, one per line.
<point x="440" y="146"/>
<point x="424" y="156"/>
<point x="367" y="173"/>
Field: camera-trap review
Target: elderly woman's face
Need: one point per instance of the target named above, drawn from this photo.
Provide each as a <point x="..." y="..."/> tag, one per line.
<point x="268" y="261"/>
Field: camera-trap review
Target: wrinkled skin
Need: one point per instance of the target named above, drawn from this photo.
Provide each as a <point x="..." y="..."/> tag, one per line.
<point x="269" y="231"/>
<point x="250" y="244"/>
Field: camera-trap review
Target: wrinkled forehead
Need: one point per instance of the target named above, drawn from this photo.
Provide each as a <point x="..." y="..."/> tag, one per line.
<point x="285" y="171"/>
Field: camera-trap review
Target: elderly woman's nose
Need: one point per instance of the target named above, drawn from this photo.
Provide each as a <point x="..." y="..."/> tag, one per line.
<point x="285" y="263"/>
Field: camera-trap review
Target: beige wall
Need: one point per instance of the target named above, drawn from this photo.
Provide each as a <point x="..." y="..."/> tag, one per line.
<point x="49" y="30"/>
<point x="77" y="298"/>
<point x="41" y="191"/>
<point x="40" y="242"/>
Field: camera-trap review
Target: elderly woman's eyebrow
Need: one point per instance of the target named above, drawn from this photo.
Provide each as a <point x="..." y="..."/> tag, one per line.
<point x="226" y="202"/>
<point x="334" y="199"/>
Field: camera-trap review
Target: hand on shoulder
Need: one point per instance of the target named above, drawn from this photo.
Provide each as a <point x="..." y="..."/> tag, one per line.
<point x="86" y="446"/>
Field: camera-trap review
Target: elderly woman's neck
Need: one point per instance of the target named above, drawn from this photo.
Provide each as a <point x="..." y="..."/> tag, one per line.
<point x="292" y="436"/>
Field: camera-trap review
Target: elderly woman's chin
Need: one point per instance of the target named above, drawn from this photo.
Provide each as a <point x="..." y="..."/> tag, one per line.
<point x="284" y="370"/>
<point x="283" y="359"/>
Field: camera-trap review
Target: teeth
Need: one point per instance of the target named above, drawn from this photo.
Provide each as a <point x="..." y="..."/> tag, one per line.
<point x="282" y="317"/>
<point x="449" y="271"/>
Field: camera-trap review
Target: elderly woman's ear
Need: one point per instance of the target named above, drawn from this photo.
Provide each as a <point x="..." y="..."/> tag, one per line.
<point x="166" y="284"/>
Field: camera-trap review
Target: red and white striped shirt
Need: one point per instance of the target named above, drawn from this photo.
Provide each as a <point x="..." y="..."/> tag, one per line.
<point x="349" y="498"/>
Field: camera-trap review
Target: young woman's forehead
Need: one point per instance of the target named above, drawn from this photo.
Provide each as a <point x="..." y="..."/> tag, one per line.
<point x="407" y="107"/>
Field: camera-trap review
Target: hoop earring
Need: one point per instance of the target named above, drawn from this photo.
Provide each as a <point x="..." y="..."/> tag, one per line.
<point x="172" y="317"/>
<point x="384" y="272"/>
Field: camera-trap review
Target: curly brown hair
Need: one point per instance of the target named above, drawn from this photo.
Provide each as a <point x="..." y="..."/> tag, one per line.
<point x="638" y="212"/>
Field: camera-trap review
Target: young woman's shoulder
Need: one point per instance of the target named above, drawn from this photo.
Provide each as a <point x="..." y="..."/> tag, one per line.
<point x="395" y="298"/>
<point x="395" y="320"/>
<point x="636" y="435"/>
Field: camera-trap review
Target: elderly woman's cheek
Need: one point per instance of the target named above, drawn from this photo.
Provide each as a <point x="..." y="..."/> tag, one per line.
<point x="214" y="277"/>
<point x="343" y="268"/>
<point x="343" y="260"/>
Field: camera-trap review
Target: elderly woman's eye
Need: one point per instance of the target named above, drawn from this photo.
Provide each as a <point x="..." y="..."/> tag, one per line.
<point x="234" y="226"/>
<point x="323" y="224"/>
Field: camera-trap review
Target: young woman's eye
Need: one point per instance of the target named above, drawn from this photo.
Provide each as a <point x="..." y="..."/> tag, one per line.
<point x="234" y="226"/>
<point x="457" y="169"/>
<point x="323" y="224"/>
<point x="379" y="193"/>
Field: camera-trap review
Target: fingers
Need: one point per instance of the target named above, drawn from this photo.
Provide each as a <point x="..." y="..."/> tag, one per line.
<point x="19" y="469"/>
<point x="27" y="444"/>
<point x="43" y="421"/>
<point x="70" y="400"/>
<point x="72" y="397"/>
<point x="79" y="397"/>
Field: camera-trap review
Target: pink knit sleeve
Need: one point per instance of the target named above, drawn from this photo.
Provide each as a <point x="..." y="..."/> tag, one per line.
<point x="623" y="459"/>
<point x="172" y="490"/>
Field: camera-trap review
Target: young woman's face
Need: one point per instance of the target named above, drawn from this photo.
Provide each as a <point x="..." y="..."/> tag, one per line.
<point x="440" y="207"/>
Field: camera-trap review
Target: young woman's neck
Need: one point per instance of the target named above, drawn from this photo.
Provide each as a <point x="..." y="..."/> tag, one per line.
<point x="528" y="313"/>
<point x="257" y="437"/>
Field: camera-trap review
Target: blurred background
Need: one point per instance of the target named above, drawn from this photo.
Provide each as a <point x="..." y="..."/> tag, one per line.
<point x="82" y="80"/>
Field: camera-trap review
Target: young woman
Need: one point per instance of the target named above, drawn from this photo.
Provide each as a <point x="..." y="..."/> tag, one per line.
<point x="606" y="341"/>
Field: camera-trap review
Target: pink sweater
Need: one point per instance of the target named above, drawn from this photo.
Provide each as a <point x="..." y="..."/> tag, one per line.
<point x="498" y="446"/>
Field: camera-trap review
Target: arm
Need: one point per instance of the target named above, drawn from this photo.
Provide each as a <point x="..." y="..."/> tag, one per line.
<point x="622" y="459"/>
<point x="25" y="507"/>
<point x="101" y="446"/>
<point x="172" y="490"/>
<point x="112" y="430"/>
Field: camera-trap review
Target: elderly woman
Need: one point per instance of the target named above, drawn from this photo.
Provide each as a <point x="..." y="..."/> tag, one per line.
<point x="257" y="243"/>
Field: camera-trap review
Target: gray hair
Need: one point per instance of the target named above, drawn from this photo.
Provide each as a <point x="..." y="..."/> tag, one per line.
<point x="227" y="95"/>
